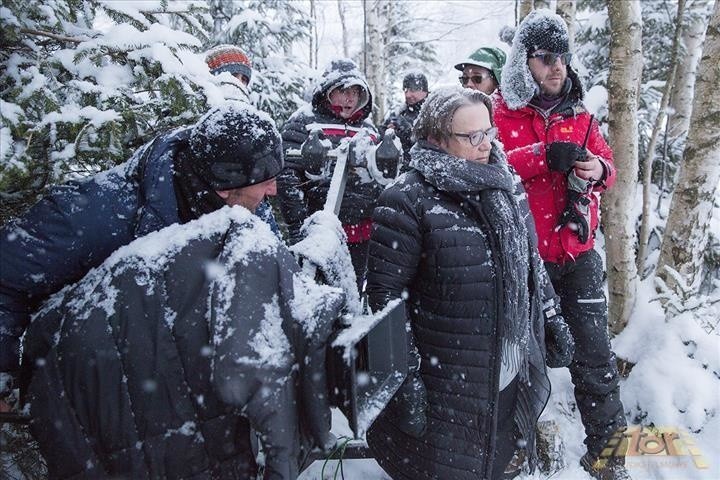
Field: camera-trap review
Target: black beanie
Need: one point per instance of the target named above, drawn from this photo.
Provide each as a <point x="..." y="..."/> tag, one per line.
<point x="235" y="146"/>
<point x="539" y="31"/>
<point x="415" y="81"/>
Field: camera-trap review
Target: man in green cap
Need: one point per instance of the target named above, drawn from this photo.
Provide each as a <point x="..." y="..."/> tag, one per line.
<point x="481" y="70"/>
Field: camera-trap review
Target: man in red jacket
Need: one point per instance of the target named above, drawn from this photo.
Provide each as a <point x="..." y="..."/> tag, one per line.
<point x="565" y="164"/>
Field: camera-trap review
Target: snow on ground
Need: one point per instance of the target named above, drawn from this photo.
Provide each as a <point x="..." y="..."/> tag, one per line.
<point x="353" y="469"/>
<point x="675" y="385"/>
<point x="365" y="469"/>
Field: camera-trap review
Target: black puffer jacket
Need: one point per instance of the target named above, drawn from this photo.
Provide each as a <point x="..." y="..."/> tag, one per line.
<point x="445" y="257"/>
<point x="301" y="196"/>
<point x="157" y="363"/>
<point x="78" y="225"/>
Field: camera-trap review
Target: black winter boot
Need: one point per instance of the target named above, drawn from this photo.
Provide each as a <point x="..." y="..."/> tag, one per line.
<point x="612" y="468"/>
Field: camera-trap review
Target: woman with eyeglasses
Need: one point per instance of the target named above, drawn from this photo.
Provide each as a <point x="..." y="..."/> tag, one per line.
<point x="454" y="237"/>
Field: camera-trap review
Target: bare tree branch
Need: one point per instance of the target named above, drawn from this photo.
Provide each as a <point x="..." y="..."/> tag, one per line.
<point x="54" y="36"/>
<point x="441" y="36"/>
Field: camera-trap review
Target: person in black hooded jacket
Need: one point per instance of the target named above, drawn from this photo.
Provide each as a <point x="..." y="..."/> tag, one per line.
<point x="177" y="177"/>
<point x="341" y="104"/>
<point x="454" y="236"/>
<point x="160" y="362"/>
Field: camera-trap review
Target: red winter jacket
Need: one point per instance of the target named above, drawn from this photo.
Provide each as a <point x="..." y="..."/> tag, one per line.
<point x="525" y="132"/>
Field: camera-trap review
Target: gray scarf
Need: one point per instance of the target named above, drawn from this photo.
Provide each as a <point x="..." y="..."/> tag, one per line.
<point x="487" y="191"/>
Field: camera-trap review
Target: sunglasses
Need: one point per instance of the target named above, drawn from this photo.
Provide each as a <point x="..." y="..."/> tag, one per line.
<point x="476" y="138"/>
<point x="477" y="79"/>
<point x="549" y="59"/>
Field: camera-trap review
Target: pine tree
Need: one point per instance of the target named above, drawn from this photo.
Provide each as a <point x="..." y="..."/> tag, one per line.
<point x="592" y="41"/>
<point x="77" y="99"/>
<point x="651" y="150"/>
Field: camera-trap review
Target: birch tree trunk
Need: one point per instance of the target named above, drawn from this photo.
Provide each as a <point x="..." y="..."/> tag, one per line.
<point x="566" y="10"/>
<point x="682" y="95"/>
<point x="686" y="234"/>
<point x="523" y="8"/>
<point x="313" y="37"/>
<point x="343" y="25"/>
<point x="648" y="165"/>
<point x="619" y="225"/>
<point x="374" y="50"/>
<point x="216" y="12"/>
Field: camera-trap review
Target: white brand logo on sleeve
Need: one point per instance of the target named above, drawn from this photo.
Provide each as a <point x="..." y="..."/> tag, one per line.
<point x="591" y="300"/>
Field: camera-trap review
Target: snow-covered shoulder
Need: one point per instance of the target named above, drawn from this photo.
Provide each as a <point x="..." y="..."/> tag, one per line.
<point x="153" y="251"/>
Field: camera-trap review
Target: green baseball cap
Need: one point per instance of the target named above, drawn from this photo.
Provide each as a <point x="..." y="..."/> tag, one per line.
<point x="487" y="57"/>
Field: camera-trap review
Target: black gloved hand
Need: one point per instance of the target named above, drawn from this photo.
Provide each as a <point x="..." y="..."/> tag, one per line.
<point x="403" y="126"/>
<point x="561" y="156"/>
<point x="577" y="215"/>
<point x="558" y="342"/>
<point x="392" y="120"/>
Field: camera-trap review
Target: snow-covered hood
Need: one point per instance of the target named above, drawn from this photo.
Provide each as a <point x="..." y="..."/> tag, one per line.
<point x="342" y="78"/>
<point x="518" y="86"/>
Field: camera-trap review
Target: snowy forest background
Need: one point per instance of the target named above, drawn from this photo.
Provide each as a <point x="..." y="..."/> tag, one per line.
<point x="85" y="83"/>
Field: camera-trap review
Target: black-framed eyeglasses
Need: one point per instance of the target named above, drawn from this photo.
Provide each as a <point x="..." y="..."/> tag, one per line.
<point x="549" y="59"/>
<point x="477" y="137"/>
<point x="477" y="79"/>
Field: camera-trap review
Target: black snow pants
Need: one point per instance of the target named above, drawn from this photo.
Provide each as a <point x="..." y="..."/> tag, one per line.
<point x="593" y="369"/>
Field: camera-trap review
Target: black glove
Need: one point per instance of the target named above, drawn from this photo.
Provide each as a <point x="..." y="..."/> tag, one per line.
<point x="558" y="342"/>
<point x="561" y="156"/>
<point x="403" y="126"/>
<point x="577" y="215"/>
